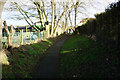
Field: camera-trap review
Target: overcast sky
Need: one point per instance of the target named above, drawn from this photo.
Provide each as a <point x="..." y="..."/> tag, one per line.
<point x="96" y="7"/>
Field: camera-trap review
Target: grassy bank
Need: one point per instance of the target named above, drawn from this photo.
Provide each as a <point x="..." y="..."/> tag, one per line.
<point x="24" y="59"/>
<point x="84" y="58"/>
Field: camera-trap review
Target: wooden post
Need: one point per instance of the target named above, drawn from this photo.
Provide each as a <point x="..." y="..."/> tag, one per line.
<point x="18" y="30"/>
<point x="21" y="37"/>
<point x="26" y="28"/>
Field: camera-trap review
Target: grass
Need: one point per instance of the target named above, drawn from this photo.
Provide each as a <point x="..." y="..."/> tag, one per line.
<point x="22" y="62"/>
<point x="84" y="58"/>
<point x="24" y="59"/>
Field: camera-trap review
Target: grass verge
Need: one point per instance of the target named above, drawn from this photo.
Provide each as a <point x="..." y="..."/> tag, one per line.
<point x="84" y="58"/>
<point x="24" y="59"/>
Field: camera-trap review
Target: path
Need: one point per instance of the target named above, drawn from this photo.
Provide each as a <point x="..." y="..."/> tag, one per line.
<point x="48" y="67"/>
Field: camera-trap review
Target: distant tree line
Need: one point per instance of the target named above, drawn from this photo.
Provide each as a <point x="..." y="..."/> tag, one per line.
<point x="105" y="27"/>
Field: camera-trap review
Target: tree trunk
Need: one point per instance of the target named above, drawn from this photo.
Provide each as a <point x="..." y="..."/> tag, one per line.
<point x="40" y="12"/>
<point x="76" y="7"/>
<point x="70" y="18"/>
<point x="9" y="35"/>
<point x="55" y="15"/>
<point x="1" y="8"/>
<point x="45" y="12"/>
<point x="47" y="22"/>
<point x="75" y="16"/>
<point x="64" y="12"/>
<point x="52" y="29"/>
<point x="0" y="33"/>
<point x="63" y="25"/>
<point x="66" y="19"/>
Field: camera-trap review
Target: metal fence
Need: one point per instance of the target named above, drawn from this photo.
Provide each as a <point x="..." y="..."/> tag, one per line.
<point x="25" y="37"/>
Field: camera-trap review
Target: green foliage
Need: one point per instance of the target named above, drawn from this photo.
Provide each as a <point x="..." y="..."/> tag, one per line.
<point x="105" y="27"/>
<point x="20" y="50"/>
<point x="4" y="47"/>
<point x="22" y="55"/>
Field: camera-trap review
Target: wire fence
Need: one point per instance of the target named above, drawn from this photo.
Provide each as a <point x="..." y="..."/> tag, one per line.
<point x="25" y="37"/>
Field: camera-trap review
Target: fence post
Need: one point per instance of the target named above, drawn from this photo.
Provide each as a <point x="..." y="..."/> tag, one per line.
<point x="21" y="37"/>
<point x="18" y="29"/>
<point x="26" y="28"/>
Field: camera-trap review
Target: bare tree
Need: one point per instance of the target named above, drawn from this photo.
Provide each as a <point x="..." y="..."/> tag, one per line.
<point x="9" y="35"/>
<point x="55" y="18"/>
<point x="63" y="13"/>
<point x="25" y="14"/>
<point x="40" y="8"/>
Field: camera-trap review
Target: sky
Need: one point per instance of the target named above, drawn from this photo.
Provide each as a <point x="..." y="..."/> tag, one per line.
<point x="97" y="6"/>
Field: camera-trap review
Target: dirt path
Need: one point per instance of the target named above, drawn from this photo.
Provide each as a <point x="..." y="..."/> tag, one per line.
<point x="48" y="67"/>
